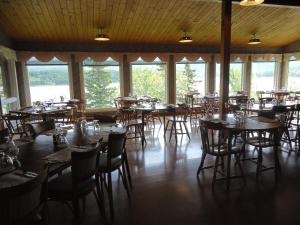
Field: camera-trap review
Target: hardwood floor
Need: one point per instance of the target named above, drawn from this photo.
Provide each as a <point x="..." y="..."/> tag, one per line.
<point x="167" y="191"/>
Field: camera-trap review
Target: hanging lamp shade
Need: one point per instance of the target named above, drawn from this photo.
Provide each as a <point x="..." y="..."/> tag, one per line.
<point x="254" y="40"/>
<point x="251" y="2"/>
<point x="185" y="38"/>
<point x="101" y="36"/>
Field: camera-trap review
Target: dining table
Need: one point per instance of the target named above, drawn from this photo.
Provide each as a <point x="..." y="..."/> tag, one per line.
<point x="42" y="112"/>
<point x="35" y="154"/>
<point x="250" y="124"/>
<point x="164" y="108"/>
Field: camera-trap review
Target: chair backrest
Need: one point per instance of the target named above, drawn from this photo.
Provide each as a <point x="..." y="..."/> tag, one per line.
<point x="15" y="123"/>
<point x="20" y="202"/>
<point x="213" y="136"/>
<point x="83" y="165"/>
<point x="286" y="113"/>
<point x="116" y="143"/>
<point x="39" y="128"/>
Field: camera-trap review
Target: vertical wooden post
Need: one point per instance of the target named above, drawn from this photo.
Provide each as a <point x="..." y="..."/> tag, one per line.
<point x="225" y="52"/>
<point x="126" y="81"/>
<point x="171" y="80"/>
<point x="247" y="76"/>
<point x="211" y="75"/>
<point x="78" y="89"/>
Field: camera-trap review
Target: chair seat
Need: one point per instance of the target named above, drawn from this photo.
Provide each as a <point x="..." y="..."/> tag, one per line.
<point x="61" y="186"/>
<point x="115" y="163"/>
<point x="254" y="141"/>
<point x="224" y="150"/>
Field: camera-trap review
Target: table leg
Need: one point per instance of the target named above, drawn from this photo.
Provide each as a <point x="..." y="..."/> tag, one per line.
<point x="228" y="162"/>
<point x="143" y="127"/>
<point x="277" y="163"/>
<point x="174" y="123"/>
<point x="164" y="119"/>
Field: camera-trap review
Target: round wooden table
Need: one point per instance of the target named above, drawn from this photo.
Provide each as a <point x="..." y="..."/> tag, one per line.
<point x="252" y="123"/>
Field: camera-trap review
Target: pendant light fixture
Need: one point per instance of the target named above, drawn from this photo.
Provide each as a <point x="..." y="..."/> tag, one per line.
<point x="254" y="40"/>
<point x="185" y="38"/>
<point x="101" y="36"/>
<point x="251" y="2"/>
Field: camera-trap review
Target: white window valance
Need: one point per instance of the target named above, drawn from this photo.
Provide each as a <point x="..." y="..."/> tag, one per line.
<point x="266" y="57"/>
<point x="8" y="53"/>
<point x="291" y="56"/>
<point x="234" y="58"/>
<point x="24" y="56"/>
<point x="98" y="57"/>
<point x="192" y="57"/>
<point x="147" y="57"/>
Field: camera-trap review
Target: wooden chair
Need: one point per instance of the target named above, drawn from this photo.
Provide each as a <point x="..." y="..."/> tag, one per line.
<point x="61" y="117"/>
<point x="21" y="204"/>
<point x="295" y="126"/>
<point x="16" y="124"/>
<point x="285" y="114"/>
<point x="179" y="122"/>
<point x="41" y="127"/>
<point x="114" y="157"/>
<point x="79" y="182"/>
<point x="215" y="142"/>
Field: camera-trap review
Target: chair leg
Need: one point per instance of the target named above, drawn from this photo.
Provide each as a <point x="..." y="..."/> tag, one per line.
<point x="127" y="169"/>
<point x="110" y="195"/>
<point x="201" y="163"/>
<point x="289" y="139"/>
<point x="259" y="161"/>
<point x="124" y="179"/>
<point x="215" y="171"/>
<point x="171" y="132"/>
<point x="100" y="200"/>
<point x="186" y="130"/>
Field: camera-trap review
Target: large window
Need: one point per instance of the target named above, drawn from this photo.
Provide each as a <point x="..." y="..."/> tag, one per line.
<point x="149" y="79"/>
<point x="190" y="77"/>
<point x="262" y="78"/>
<point x="101" y="83"/>
<point x="235" y="77"/>
<point x="48" y="81"/>
<point x="294" y="76"/>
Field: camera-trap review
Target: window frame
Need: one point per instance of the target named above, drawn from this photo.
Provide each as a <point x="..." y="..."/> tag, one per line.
<point x="48" y="63"/>
<point x="141" y="62"/>
<point x="201" y="62"/>
<point x="100" y="64"/>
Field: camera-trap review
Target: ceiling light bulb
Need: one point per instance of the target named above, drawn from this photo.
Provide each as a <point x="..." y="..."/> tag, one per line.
<point x="251" y="2"/>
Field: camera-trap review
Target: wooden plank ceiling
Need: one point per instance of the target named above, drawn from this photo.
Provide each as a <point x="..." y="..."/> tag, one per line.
<point x="144" y="21"/>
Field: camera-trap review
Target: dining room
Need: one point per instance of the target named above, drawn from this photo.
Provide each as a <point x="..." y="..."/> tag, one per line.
<point x="149" y="112"/>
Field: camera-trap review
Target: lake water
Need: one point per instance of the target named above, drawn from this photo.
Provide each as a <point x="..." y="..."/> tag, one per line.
<point x="49" y="92"/>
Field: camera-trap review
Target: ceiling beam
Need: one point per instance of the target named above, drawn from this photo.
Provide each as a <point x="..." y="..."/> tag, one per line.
<point x="279" y="2"/>
<point x="274" y="3"/>
<point x="150" y="48"/>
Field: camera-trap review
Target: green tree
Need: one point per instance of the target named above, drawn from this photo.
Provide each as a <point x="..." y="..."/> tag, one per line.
<point x="235" y="77"/>
<point x="149" y="81"/>
<point x="99" y="88"/>
<point x="184" y="82"/>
